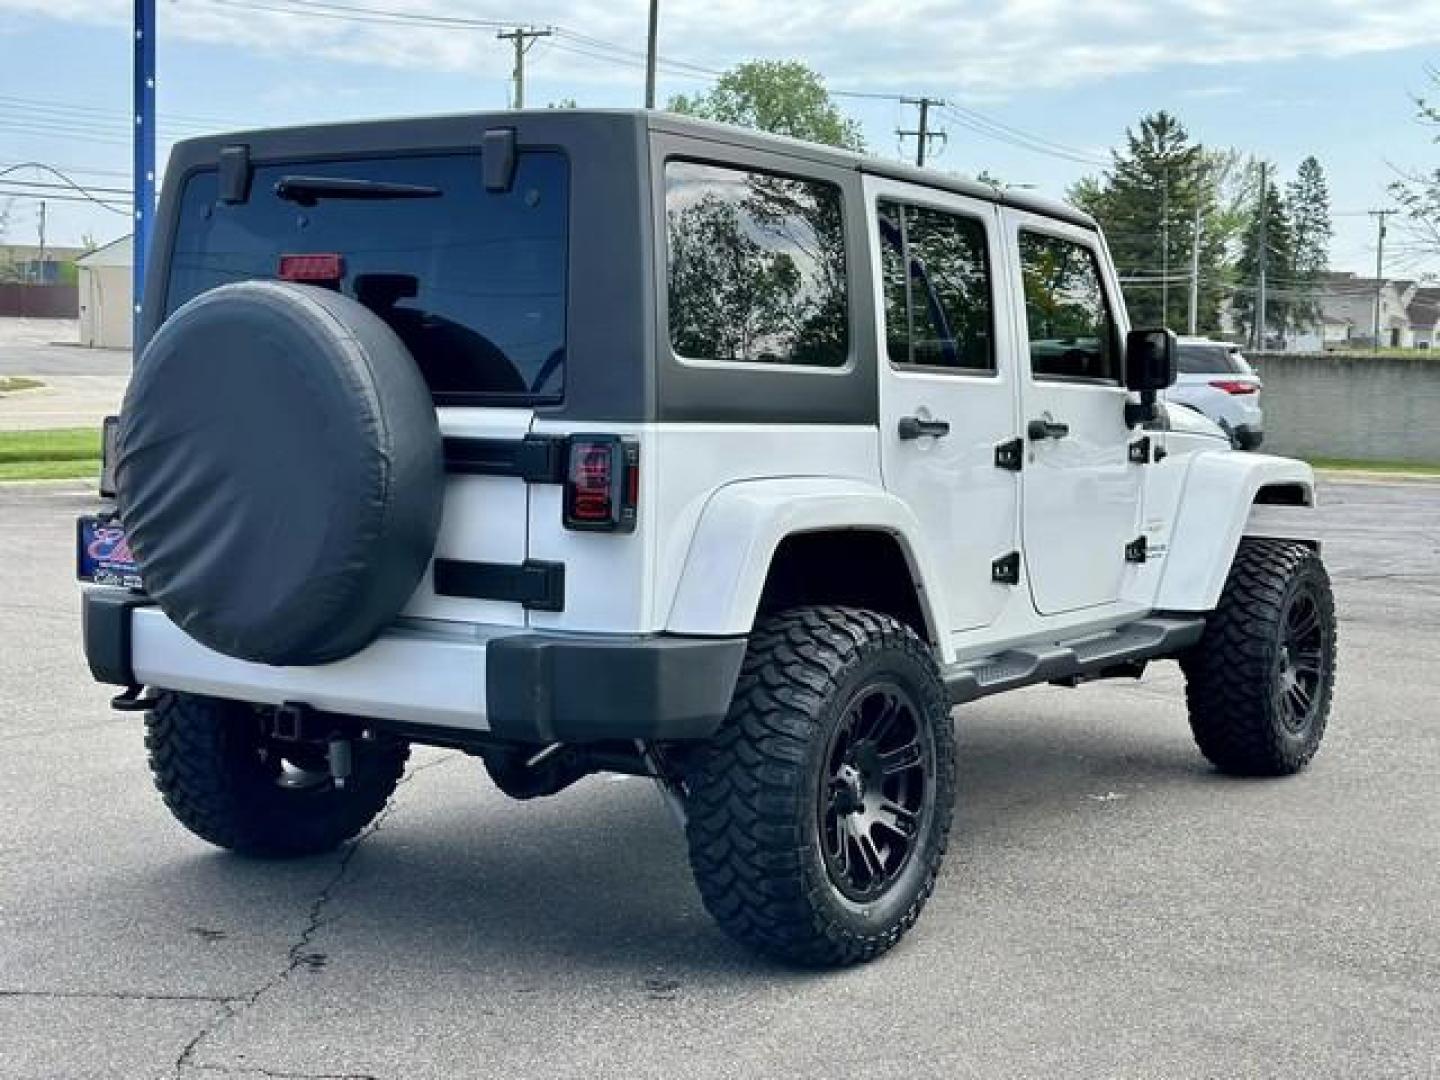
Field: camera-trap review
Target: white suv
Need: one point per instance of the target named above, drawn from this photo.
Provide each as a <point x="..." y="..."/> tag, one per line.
<point x="587" y="441"/>
<point x="1216" y="380"/>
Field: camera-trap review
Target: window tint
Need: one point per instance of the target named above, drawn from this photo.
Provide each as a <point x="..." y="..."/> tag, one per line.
<point x="1072" y="334"/>
<point x="473" y="282"/>
<point x="938" y="308"/>
<point x="756" y="267"/>
<point x="1209" y="360"/>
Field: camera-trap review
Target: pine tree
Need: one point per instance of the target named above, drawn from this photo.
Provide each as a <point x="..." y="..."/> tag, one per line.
<point x="1269" y="229"/>
<point x="1147" y="203"/>
<point x="1307" y="200"/>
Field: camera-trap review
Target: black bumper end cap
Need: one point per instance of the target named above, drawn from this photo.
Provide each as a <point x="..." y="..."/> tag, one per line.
<point x="105" y="622"/>
<point x="548" y="688"/>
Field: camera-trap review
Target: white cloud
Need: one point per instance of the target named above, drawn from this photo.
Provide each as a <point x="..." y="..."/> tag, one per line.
<point x="957" y="46"/>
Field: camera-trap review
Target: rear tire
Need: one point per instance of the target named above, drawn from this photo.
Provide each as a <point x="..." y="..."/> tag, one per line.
<point x="1259" y="682"/>
<point x="819" y="814"/>
<point x="226" y="782"/>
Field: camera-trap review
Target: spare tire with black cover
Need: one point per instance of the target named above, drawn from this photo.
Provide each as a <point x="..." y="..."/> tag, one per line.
<point x="279" y="472"/>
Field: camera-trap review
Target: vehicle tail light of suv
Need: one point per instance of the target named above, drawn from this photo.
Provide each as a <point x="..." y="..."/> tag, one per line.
<point x="602" y="483"/>
<point x="1235" y="386"/>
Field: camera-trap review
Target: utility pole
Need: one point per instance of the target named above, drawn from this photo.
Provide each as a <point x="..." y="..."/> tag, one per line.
<point x="1195" y="275"/>
<point x="40" y="269"/>
<point x="1260" y="299"/>
<point x="652" y="45"/>
<point x="922" y="134"/>
<point x="143" y="183"/>
<point x="523" y="40"/>
<point x="1379" y="216"/>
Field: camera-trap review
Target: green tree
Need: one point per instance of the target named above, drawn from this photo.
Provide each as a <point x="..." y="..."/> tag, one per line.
<point x="1270" y="231"/>
<point x="780" y="96"/>
<point x="1148" y="203"/>
<point x="1419" y="192"/>
<point x="1307" y="202"/>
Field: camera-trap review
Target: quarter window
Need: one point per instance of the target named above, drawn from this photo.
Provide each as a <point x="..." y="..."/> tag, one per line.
<point x="938" y="307"/>
<point x="756" y="267"/>
<point x="1072" y="332"/>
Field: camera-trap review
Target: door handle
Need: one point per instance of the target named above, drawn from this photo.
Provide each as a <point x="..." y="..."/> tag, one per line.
<point x="912" y="427"/>
<point x="1046" y="429"/>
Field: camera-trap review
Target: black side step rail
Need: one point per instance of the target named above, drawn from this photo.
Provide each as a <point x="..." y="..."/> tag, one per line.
<point x="1090" y="657"/>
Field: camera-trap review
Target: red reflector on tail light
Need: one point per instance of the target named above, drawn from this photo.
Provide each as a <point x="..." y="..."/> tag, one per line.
<point x="1232" y="386"/>
<point x="602" y="484"/>
<point x="311" y="267"/>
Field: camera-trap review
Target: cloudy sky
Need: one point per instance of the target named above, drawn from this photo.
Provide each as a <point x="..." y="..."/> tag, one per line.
<point x="1041" y="87"/>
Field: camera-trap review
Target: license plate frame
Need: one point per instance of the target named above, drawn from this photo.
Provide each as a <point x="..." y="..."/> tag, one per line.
<point x="102" y="555"/>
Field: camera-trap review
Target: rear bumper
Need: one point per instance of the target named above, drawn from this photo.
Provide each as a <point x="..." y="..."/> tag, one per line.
<point x="501" y="681"/>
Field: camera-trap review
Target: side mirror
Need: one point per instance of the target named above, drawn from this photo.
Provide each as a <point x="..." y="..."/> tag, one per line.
<point x="1150" y="358"/>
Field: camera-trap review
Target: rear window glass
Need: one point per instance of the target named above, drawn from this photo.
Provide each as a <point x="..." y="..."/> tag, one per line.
<point x="473" y="282"/>
<point x="756" y="267"/>
<point x="1210" y="360"/>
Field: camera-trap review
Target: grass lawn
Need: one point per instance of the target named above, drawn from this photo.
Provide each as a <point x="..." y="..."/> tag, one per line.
<point x="57" y="454"/>
<point x="1345" y="465"/>
<point x="9" y="383"/>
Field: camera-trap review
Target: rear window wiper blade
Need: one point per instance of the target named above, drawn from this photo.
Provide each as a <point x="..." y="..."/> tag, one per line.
<point x="308" y="190"/>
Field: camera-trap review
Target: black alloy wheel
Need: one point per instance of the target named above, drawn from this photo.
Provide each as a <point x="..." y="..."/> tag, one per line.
<point x="878" y="791"/>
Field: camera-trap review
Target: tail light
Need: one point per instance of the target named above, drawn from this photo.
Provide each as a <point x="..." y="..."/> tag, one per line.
<point x="1234" y="386"/>
<point x="316" y="268"/>
<point x="602" y="483"/>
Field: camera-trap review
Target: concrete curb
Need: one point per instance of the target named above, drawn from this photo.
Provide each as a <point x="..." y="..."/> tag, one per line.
<point x="1369" y="476"/>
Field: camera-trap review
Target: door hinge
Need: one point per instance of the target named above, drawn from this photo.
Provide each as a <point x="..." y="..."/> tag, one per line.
<point x="1140" y="451"/>
<point x="1010" y="455"/>
<point x="1137" y="550"/>
<point x="1006" y="569"/>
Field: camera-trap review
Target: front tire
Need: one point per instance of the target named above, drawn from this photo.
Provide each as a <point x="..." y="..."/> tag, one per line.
<point x="819" y="814"/>
<point x="226" y="782"/>
<point x="1259" y="682"/>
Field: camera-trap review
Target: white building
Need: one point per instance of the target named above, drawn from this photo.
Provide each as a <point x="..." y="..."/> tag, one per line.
<point x="105" y="295"/>
<point x="1424" y="313"/>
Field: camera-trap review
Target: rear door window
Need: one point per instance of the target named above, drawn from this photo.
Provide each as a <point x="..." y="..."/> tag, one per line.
<point x="473" y="282"/>
<point x="756" y="266"/>
<point x="938" y="307"/>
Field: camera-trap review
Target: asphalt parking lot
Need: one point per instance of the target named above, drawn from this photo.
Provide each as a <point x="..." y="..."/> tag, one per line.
<point x="1110" y="907"/>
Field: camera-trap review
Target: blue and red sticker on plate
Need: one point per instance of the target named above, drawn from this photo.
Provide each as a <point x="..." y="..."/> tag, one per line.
<point x="104" y="556"/>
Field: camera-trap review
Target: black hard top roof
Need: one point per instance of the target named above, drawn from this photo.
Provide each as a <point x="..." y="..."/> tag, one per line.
<point x="896" y="170"/>
<point x="409" y="130"/>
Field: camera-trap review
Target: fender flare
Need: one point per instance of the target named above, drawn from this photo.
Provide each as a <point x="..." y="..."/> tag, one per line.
<point x="744" y="523"/>
<point x="1220" y="490"/>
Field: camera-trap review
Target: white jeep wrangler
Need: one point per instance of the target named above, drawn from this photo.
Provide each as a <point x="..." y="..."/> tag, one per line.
<point x="591" y="441"/>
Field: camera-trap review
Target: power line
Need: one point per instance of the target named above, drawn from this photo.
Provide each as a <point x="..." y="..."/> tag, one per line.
<point x="50" y="196"/>
<point x="122" y="192"/>
<point x="69" y="182"/>
<point x="995" y="129"/>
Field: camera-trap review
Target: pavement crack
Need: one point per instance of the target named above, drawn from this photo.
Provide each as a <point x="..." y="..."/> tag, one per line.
<point x="118" y="995"/>
<point x="254" y="1070"/>
<point x="299" y="953"/>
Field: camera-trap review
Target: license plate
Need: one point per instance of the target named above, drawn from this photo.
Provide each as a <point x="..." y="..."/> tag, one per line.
<point x="103" y="555"/>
